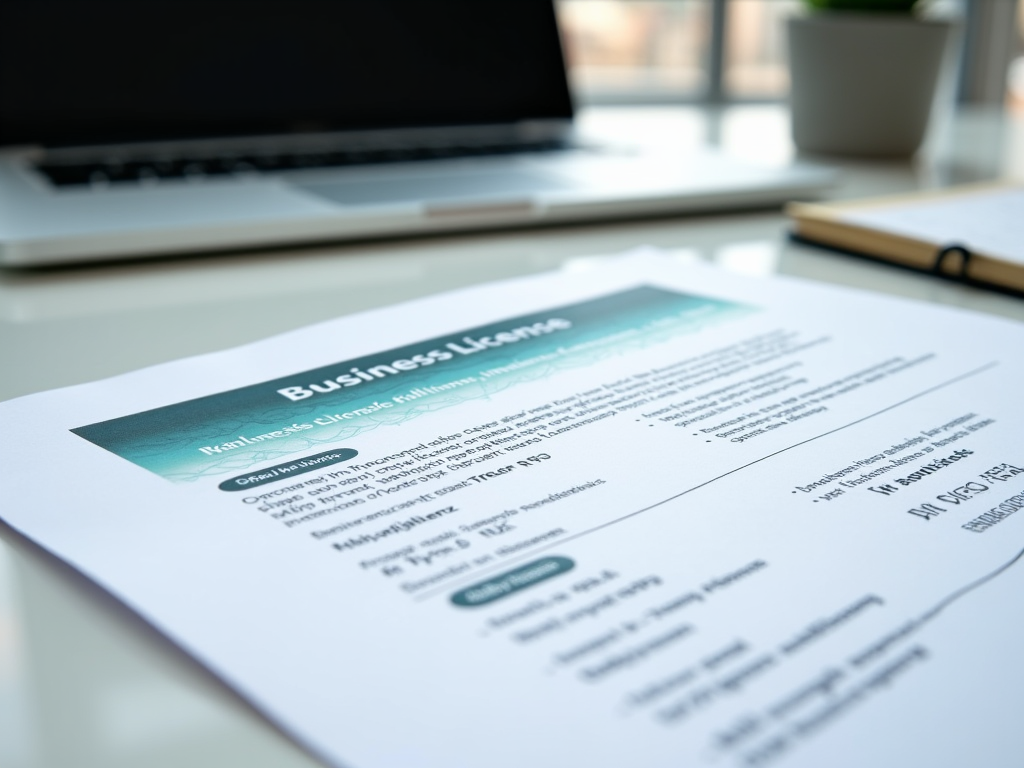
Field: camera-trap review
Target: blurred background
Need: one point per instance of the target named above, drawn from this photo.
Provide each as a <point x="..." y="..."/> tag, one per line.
<point x="729" y="51"/>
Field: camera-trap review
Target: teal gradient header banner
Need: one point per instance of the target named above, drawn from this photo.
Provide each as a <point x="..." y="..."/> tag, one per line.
<point x="236" y="431"/>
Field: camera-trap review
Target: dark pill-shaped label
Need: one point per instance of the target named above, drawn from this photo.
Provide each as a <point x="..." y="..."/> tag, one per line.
<point x="287" y="469"/>
<point x="509" y="582"/>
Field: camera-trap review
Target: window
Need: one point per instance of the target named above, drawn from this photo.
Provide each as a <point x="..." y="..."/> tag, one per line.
<point x="1015" y="81"/>
<point x="673" y="51"/>
<point x="647" y="51"/>
<point x="754" y="55"/>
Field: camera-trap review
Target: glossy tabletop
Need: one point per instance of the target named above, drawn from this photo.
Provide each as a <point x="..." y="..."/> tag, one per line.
<point x="85" y="683"/>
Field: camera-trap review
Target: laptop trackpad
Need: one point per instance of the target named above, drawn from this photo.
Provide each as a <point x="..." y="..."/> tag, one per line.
<point x="503" y="185"/>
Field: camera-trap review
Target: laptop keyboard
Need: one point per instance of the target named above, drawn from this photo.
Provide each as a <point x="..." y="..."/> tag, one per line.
<point x="149" y="171"/>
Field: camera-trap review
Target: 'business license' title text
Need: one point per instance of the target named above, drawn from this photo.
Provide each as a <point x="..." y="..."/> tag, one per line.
<point x="468" y="345"/>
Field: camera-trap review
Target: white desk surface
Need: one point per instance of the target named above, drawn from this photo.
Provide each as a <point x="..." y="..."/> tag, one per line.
<point x="84" y="683"/>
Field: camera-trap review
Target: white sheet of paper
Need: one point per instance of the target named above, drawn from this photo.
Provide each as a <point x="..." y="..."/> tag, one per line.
<point x="646" y="514"/>
<point x="989" y="221"/>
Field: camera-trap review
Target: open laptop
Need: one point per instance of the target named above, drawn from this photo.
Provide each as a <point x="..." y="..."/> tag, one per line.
<point x="130" y="129"/>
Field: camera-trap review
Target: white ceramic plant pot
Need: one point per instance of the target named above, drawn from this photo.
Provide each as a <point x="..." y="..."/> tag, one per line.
<point x="863" y="84"/>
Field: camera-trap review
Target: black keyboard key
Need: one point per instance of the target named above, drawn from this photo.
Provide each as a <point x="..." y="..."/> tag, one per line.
<point x="67" y="175"/>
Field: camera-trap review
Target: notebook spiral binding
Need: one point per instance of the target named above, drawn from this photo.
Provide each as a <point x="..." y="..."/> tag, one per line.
<point x="957" y="276"/>
<point x="945" y="253"/>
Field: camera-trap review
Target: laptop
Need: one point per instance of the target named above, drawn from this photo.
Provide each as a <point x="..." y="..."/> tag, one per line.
<point x="133" y="129"/>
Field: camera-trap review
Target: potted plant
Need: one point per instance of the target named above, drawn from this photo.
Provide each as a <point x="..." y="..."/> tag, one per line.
<point x="863" y="75"/>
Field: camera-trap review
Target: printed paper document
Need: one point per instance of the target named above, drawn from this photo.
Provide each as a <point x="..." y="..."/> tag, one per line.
<point x="645" y="514"/>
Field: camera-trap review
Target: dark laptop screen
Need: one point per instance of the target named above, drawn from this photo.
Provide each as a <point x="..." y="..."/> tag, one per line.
<point x="88" y="71"/>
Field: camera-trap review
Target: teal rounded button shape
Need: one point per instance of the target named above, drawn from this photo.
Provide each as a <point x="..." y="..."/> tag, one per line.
<point x="511" y="582"/>
<point x="287" y="469"/>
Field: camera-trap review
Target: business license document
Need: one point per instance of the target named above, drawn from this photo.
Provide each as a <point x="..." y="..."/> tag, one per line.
<point x="645" y="514"/>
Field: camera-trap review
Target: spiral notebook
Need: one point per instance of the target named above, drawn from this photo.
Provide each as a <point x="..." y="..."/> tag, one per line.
<point x="974" y="234"/>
